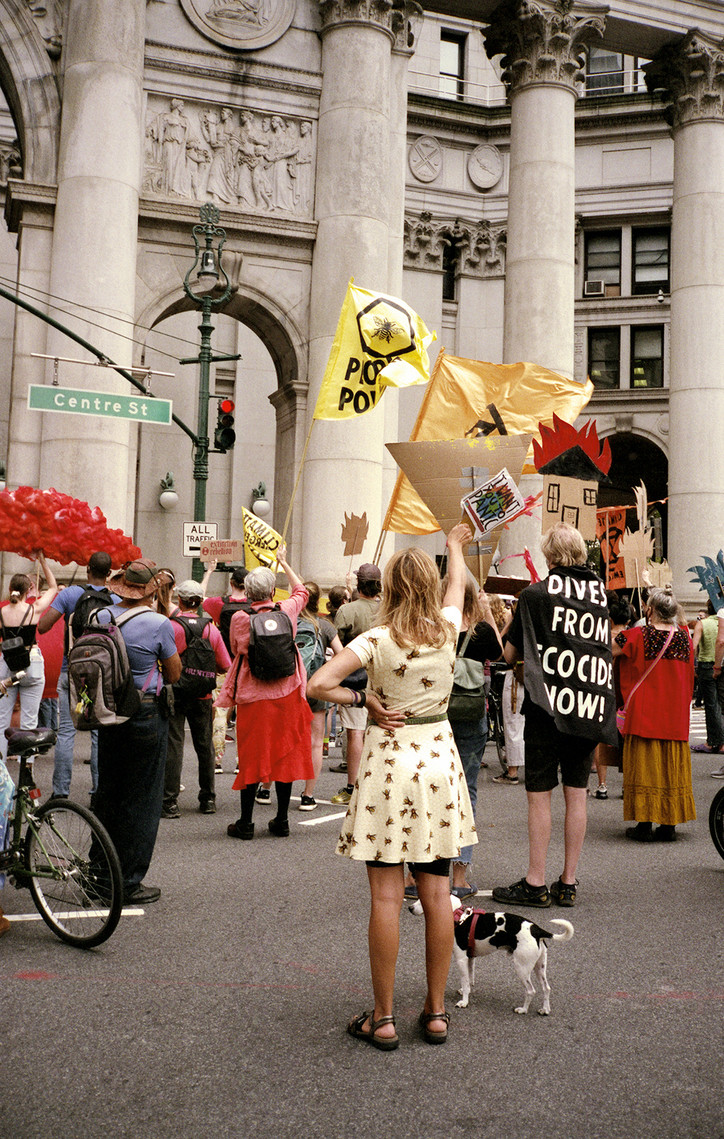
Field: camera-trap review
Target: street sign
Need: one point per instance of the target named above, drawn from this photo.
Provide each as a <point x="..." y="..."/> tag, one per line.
<point x="72" y="401"/>
<point x="196" y="533"/>
<point x="223" y="550"/>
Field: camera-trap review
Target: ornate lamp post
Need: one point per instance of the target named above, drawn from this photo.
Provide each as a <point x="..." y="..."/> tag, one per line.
<point x="210" y="293"/>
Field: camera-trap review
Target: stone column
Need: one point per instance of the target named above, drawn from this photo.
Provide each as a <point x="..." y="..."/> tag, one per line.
<point x="354" y="192"/>
<point x="691" y="74"/>
<point x="94" y="244"/>
<point x="542" y="43"/>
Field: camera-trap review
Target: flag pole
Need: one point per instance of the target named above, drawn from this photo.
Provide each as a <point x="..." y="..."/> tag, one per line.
<point x="296" y="484"/>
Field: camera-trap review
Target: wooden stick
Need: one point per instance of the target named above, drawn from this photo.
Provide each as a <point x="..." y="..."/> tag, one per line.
<point x="296" y="484"/>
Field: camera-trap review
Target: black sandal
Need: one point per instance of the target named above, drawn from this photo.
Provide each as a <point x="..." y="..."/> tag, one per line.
<point x="384" y="1043"/>
<point x="430" y="1036"/>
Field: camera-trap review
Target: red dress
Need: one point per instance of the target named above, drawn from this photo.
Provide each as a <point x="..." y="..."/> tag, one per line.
<point x="273" y="718"/>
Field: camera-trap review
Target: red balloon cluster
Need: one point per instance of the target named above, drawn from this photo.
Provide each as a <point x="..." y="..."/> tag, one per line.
<point x="64" y="528"/>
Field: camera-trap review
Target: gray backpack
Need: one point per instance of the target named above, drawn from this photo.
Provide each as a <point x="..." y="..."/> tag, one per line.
<point x="101" y="686"/>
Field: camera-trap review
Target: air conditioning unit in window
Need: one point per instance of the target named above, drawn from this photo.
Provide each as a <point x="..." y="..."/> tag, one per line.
<point x="594" y="288"/>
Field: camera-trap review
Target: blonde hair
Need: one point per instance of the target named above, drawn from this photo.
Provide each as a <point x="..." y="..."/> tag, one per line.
<point x="563" y="545"/>
<point x="410" y="605"/>
<point x="499" y="611"/>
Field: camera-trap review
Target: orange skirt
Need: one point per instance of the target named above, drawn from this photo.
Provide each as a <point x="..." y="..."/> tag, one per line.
<point x="274" y="740"/>
<point x="657" y="781"/>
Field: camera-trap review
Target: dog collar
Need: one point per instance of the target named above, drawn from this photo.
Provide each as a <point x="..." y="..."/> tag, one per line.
<point x="474" y="915"/>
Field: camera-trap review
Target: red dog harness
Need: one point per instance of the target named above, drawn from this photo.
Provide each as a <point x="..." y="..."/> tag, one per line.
<point x="457" y="917"/>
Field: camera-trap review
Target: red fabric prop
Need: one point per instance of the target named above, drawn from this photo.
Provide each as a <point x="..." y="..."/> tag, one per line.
<point x="64" y="528"/>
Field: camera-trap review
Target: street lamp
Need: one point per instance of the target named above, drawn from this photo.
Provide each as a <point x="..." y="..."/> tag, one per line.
<point x="209" y="294"/>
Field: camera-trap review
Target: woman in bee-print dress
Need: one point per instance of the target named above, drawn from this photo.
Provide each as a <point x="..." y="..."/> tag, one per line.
<point x="411" y="802"/>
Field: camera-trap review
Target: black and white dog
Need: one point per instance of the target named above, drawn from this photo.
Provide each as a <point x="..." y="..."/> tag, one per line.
<point x="478" y="934"/>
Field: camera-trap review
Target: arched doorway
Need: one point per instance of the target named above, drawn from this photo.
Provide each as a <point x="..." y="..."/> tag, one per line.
<point x="636" y="459"/>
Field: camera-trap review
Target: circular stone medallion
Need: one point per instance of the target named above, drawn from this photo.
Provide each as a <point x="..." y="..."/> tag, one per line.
<point x="245" y="25"/>
<point x="425" y="158"/>
<point x="485" y="166"/>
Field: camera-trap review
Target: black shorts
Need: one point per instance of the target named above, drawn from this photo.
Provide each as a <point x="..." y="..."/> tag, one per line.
<point x="441" y="866"/>
<point x="547" y="749"/>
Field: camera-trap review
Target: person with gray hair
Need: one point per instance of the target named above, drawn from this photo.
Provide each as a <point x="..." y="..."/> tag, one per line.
<point x="273" y="718"/>
<point x="562" y="632"/>
<point x="657" y="682"/>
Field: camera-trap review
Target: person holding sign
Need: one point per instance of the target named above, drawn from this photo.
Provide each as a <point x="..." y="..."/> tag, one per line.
<point x="562" y="630"/>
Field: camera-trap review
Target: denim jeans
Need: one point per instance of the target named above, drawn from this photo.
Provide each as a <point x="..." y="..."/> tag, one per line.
<point x="199" y="714"/>
<point x="30" y="690"/>
<point x="470" y="738"/>
<point x="63" y="766"/>
<point x="712" y="711"/>
<point x="131" y="767"/>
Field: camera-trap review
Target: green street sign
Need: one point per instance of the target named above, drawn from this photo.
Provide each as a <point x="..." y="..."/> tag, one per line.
<point x="139" y="408"/>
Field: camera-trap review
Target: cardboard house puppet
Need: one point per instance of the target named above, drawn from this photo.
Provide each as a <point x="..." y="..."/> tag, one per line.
<point x="573" y="463"/>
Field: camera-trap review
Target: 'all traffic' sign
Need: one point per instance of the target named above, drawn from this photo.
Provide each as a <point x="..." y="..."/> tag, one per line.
<point x="196" y="533"/>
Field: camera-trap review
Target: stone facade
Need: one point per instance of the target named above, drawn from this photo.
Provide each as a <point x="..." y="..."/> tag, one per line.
<point x="336" y="142"/>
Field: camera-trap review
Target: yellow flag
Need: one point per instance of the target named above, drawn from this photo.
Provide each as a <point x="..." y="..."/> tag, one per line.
<point x="260" y="542"/>
<point x="457" y="404"/>
<point x="380" y="342"/>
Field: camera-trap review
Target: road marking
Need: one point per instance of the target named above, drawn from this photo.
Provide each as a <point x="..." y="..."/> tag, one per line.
<point x="323" y="819"/>
<point x="127" y="912"/>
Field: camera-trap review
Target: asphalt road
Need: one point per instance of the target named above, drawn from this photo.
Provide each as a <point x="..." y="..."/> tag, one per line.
<point x="220" y="1011"/>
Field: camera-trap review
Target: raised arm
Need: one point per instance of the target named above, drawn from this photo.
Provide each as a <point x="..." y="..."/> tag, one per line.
<point x="47" y="596"/>
<point x="293" y="578"/>
<point x="458" y="540"/>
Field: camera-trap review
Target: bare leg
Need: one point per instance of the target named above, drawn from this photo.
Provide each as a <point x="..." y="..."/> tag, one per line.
<point x="539" y="835"/>
<point x="4" y="923"/>
<point x="574" y="830"/>
<point x="439" y="936"/>
<point x="387" y="891"/>
<point x="355" y="740"/>
<point x="318" y="722"/>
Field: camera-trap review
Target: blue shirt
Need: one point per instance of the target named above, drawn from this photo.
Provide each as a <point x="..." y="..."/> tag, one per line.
<point x="149" y="638"/>
<point x="66" y="601"/>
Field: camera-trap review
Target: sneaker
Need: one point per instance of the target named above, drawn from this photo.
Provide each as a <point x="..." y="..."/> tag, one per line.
<point x="218" y="767"/>
<point x="229" y="737"/>
<point x="263" y="795"/>
<point x="564" y="894"/>
<point x="411" y="893"/>
<point x="171" y="812"/>
<point x="236" y="769"/>
<point x="339" y="768"/>
<point x="308" y="803"/>
<point x="521" y="894"/>
<point x="182" y="788"/>
<point x="342" y="797"/>
<point x="602" y="791"/>
<point x="718" y="774"/>
<point x="505" y="778"/>
<point x="208" y="807"/>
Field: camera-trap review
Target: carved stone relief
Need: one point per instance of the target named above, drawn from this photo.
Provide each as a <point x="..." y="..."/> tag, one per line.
<point x="479" y="245"/>
<point x="11" y="163"/>
<point x="690" y="74"/>
<point x="425" y="158"/>
<point x="379" y="12"/>
<point x="49" y="16"/>
<point x="485" y="166"/>
<point x="246" y="160"/>
<point x="245" y="25"/>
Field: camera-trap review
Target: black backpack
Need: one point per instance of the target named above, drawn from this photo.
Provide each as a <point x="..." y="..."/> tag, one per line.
<point x="80" y="619"/>
<point x="272" y="652"/>
<point x="228" y="609"/>
<point x="198" y="660"/>
<point x="102" y="691"/>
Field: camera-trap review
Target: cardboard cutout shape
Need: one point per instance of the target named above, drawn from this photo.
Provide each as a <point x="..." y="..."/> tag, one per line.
<point x="442" y="472"/>
<point x="573" y="463"/>
<point x="354" y="533"/>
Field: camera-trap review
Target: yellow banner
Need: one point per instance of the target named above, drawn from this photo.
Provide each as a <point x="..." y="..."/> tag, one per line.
<point x="260" y="542"/>
<point x="380" y="342"/>
<point x="457" y="404"/>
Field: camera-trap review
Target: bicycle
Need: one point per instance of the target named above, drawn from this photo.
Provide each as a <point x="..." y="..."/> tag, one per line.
<point x="496" y="730"/>
<point x="61" y="853"/>
<point x="716" y="821"/>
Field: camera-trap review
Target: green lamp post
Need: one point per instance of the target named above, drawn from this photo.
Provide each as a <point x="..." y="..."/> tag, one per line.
<point x="213" y="289"/>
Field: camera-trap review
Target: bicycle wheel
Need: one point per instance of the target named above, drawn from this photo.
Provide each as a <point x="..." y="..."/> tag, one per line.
<point x="76" y="881"/>
<point x="716" y="821"/>
<point x="495" y="726"/>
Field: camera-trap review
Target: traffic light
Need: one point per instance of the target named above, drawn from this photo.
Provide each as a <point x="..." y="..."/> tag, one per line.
<point x="225" y="436"/>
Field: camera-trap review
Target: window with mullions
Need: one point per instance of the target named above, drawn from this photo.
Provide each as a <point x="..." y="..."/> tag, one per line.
<point x="647" y="356"/>
<point x="650" y="260"/>
<point x="604" y="357"/>
<point x="452" y="65"/>
<point x="603" y="257"/>
<point x="604" y="72"/>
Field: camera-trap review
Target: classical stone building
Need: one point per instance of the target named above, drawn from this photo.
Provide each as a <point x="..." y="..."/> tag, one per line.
<point x="540" y="180"/>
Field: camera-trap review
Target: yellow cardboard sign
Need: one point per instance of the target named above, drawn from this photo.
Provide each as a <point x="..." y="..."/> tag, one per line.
<point x="260" y="542"/>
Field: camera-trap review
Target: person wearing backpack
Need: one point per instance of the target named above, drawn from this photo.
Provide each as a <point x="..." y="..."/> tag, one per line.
<point x="221" y="610"/>
<point x="18" y="627"/>
<point x="94" y="594"/>
<point x="267" y="684"/>
<point x="317" y="640"/>
<point x="132" y="754"/>
<point x="203" y="657"/>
